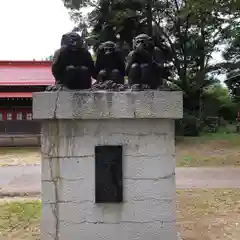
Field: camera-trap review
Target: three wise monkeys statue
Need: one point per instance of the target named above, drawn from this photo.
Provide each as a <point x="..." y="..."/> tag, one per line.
<point x="73" y="66"/>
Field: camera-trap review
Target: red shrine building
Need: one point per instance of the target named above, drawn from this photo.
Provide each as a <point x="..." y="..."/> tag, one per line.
<point x="18" y="81"/>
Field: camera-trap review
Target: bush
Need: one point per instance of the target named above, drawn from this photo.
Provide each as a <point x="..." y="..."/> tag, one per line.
<point x="211" y="124"/>
<point x="188" y="126"/>
<point x="228" y="111"/>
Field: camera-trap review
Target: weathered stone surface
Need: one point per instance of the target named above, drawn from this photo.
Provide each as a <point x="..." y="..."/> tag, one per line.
<point x="128" y="231"/>
<point x="134" y="190"/>
<point x="48" y="192"/>
<point x="136" y="127"/>
<point x="139" y="140"/>
<point x="135" y="212"/>
<point x="143" y="167"/>
<point x="48" y="226"/>
<point x="107" y="105"/>
<point x="146" y="133"/>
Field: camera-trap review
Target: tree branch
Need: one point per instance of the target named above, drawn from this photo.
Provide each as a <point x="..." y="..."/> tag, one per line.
<point x="176" y="62"/>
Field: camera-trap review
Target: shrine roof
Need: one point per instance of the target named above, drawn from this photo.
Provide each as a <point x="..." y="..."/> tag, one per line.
<point x="26" y="73"/>
<point x="15" y="94"/>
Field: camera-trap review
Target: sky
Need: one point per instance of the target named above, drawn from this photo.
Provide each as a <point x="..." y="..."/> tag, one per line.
<point x="31" y="29"/>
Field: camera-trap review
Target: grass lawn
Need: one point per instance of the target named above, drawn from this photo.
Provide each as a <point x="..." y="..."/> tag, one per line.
<point x="201" y="215"/>
<point x="209" y="214"/>
<point x="218" y="149"/>
<point x="19" y="156"/>
<point x="20" y="220"/>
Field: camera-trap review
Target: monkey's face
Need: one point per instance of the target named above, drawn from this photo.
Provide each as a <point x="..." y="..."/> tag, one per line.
<point x="141" y="44"/>
<point x="108" y="49"/>
<point x="72" y="40"/>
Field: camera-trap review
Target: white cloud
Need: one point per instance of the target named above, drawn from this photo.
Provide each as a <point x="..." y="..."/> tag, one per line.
<point x="31" y="29"/>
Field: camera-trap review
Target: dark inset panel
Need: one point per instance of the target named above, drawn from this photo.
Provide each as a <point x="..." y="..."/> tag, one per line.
<point x="108" y="174"/>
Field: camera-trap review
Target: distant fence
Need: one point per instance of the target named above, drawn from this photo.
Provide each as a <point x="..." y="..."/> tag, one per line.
<point x="20" y="140"/>
<point x="19" y="133"/>
<point x="20" y="127"/>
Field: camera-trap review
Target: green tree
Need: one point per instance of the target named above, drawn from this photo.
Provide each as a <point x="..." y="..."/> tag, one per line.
<point x="232" y="63"/>
<point x="233" y="83"/>
<point x="191" y="29"/>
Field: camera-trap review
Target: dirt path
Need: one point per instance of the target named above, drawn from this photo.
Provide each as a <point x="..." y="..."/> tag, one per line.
<point x="21" y="181"/>
<point x="222" y="177"/>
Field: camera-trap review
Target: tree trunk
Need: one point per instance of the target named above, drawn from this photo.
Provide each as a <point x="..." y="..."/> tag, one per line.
<point x="149" y="18"/>
<point x="191" y="103"/>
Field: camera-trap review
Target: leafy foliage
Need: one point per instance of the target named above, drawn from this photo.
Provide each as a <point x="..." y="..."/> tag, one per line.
<point x="218" y="102"/>
<point x="187" y="32"/>
<point x="232" y="65"/>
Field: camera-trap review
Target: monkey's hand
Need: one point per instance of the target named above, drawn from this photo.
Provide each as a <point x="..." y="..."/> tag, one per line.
<point x="156" y="64"/>
<point x="143" y="56"/>
<point x="135" y="55"/>
<point x="144" y="65"/>
<point x="64" y="48"/>
<point x="70" y="67"/>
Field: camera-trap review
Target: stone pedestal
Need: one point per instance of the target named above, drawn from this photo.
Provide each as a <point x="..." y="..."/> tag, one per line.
<point x="73" y="123"/>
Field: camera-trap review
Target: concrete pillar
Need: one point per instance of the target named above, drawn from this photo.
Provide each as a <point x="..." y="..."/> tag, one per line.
<point x="73" y="123"/>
